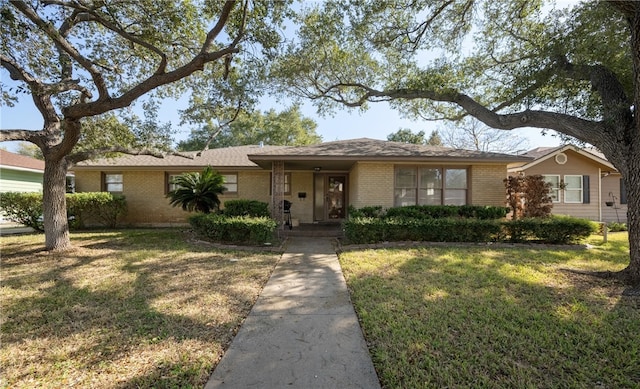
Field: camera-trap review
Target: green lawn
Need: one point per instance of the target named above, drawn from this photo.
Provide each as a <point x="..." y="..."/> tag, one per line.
<point x="131" y="308"/>
<point x="440" y="317"/>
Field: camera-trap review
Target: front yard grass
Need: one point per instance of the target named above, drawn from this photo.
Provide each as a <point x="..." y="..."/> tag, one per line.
<point x="130" y="308"/>
<point x="497" y="317"/>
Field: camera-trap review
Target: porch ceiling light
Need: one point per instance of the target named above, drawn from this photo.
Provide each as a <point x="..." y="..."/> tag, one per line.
<point x="317" y="168"/>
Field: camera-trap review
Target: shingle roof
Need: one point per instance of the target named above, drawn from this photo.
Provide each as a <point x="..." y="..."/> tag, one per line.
<point x="541" y="151"/>
<point x="9" y="159"/>
<point x="540" y="154"/>
<point x="224" y="157"/>
<point x="365" y="148"/>
<point x="351" y="150"/>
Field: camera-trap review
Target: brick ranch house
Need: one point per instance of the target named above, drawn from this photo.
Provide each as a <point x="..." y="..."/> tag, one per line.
<point x="320" y="181"/>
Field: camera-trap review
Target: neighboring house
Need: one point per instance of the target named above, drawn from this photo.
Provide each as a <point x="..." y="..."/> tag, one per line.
<point x="19" y="173"/>
<point x="320" y="180"/>
<point x="583" y="183"/>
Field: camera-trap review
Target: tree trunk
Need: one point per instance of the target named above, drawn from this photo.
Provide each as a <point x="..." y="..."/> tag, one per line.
<point x="56" y="226"/>
<point x="632" y="179"/>
<point x="631" y="273"/>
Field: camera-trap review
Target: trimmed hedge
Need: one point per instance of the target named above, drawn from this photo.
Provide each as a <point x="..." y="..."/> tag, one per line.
<point x="554" y="230"/>
<point x="432" y="212"/>
<point x="101" y="207"/>
<point x="233" y="229"/>
<point x="242" y="207"/>
<point x="23" y="208"/>
<point x="371" y="230"/>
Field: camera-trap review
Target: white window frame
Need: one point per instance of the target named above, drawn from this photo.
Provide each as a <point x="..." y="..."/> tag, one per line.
<point x="553" y="189"/>
<point x="579" y="190"/>
<point x="106" y="184"/>
<point x="228" y="183"/>
<point x="170" y="185"/>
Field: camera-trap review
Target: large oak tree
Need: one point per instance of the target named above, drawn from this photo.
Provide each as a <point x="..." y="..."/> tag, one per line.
<point x="508" y="63"/>
<point x="79" y="59"/>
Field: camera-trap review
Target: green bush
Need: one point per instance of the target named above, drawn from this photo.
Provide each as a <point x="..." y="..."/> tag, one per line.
<point x="564" y="229"/>
<point x="233" y="229"/>
<point x="23" y="208"/>
<point x="616" y="227"/>
<point x="369" y="211"/>
<point x="242" y="207"/>
<point x="100" y="207"/>
<point x="554" y="230"/>
<point x="432" y="212"/>
<point x="371" y="230"/>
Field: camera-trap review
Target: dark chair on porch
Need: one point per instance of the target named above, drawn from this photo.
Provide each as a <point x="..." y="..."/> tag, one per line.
<point x="286" y="209"/>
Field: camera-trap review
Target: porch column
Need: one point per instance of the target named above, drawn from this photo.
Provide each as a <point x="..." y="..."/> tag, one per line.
<point x="277" y="191"/>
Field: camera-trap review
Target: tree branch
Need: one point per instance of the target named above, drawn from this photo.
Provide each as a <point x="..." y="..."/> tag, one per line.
<point x="90" y="14"/>
<point x="41" y="100"/>
<point x="96" y="153"/>
<point x="64" y="45"/>
<point x="13" y="134"/>
<point x="217" y="29"/>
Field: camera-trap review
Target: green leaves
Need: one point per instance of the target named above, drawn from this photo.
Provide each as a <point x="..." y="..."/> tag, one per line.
<point x="198" y="191"/>
<point x="288" y="128"/>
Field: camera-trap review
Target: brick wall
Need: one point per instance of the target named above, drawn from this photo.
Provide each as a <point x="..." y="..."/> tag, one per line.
<point x="371" y="184"/>
<point x="487" y="186"/>
<point x="146" y="194"/>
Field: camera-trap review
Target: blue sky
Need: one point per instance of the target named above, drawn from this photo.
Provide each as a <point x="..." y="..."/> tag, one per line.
<point x="378" y="122"/>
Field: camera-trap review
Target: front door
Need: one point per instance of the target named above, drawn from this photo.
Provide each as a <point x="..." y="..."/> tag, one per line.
<point x="330" y="197"/>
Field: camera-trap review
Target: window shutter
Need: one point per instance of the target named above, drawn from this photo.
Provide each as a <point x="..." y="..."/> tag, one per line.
<point x="586" y="196"/>
<point x="623" y="192"/>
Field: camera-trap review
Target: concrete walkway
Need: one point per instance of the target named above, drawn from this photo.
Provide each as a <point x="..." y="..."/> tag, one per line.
<point x="302" y="332"/>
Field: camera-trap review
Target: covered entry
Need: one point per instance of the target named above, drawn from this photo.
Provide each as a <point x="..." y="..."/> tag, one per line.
<point x="329" y="197"/>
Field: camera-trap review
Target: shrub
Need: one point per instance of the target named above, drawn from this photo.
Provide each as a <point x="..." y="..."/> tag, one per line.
<point x="23" y="208"/>
<point x="242" y="207"/>
<point x="554" y="230"/>
<point x="564" y="229"/>
<point x="424" y="211"/>
<point x="528" y="196"/>
<point x="369" y="211"/>
<point x="433" y="212"/>
<point x="234" y="229"/>
<point x="371" y="230"/>
<point x="198" y="191"/>
<point x="616" y="227"/>
<point x="364" y="229"/>
<point x="101" y="207"/>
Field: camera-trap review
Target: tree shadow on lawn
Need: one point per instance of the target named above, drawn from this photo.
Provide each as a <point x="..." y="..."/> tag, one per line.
<point x="506" y="318"/>
<point x="124" y="319"/>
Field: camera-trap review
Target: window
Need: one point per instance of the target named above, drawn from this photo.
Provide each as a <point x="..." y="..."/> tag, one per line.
<point x="169" y="177"/>
<point x="406" y="184"/>
<point x="230" y="182"/>
<point x="455" y="187"/>
<point x="554" y="191"/>
<point x="572" y="189"/>
<point x="113" y="182"/>
<point x="430" y="192"/>
<point x="426" y="185"/>
<point x="287" y="183"/>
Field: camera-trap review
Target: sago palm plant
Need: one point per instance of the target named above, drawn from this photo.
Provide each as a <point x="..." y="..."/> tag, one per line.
<point x="198" y="191"/>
